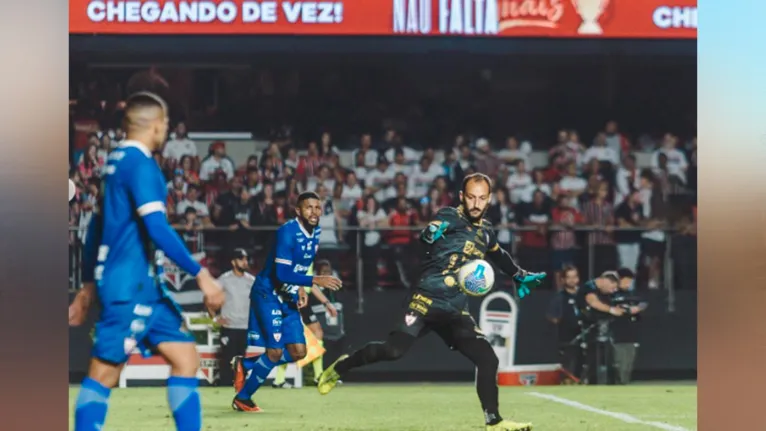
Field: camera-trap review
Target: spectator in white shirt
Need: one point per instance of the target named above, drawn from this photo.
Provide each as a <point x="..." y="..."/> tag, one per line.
<point x="677" y="163"/>
<point x="192" y="201"/>
<point x="370" y="155"/>
<point x="292" y="159"/>
<point x="179" y="146"/>
<point x="216" y="161"/>
<point x="518" y="182"/>
<point x="379" y="179"/>
<point x="465" y="157"/>
<point x="615" y="140"/>
<point x="400" y="163"/>
<point x="599" y="151"/>
<point x="360" y="167"/>
<point x="512" y="152"/>
<point x="538" y="183"/>
<point x="422" y="177"/>
<point x="371" y="217"/>
<point x="627" y="179"/>
<point x="410" y="155"/>
<point x="569" y="148"/>
<point x="329" y="221"/>
<point x="324" y="178"/>
<point x="351" y="188"/>
<point x="326" y="148"/>
<point x="399" y="188"/>
<point x="573" y="185"/>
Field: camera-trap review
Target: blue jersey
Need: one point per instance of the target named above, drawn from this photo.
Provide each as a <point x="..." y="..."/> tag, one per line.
<point x="287" y="267"/>
<point x="134" y="187"/>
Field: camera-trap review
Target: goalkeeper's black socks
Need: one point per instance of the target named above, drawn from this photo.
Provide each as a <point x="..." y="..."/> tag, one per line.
<point x="369" y="354"/>
<point x="492" y="417"/>
<point x="392" y="349"/>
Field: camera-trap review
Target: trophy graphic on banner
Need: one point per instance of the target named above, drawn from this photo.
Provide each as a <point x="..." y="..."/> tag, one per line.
<point x="590" y="11"/>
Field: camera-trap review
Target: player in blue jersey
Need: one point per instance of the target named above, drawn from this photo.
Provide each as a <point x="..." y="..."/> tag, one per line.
<point x="277" y="295"/>
<point x="119" y="270"/>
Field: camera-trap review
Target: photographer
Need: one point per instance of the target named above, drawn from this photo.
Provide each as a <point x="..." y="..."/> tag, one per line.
<point x="596" y="302"/>
<point x="565" y="314"/>
<point x="625" y="332"/>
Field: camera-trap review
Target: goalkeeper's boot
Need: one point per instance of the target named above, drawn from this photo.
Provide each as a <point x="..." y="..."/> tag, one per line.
<point x="329" y="377"/>
<point x="283" y="385"/>
<point x="240" y="375"/>
<point x="247" y="406"/>
<point x="506" y="425"/>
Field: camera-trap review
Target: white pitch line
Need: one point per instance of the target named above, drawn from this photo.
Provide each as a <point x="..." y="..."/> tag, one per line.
<point x="619" y="416"/>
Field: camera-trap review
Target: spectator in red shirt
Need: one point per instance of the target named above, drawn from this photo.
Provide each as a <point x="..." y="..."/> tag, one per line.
<point x="564" y="239"/>
<point x="310" y="163"/>
<point x="400" y="240"/>
<point x="599" y="215"/>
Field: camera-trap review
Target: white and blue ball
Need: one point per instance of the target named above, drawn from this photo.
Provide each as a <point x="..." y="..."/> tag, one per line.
<point x="476" y="277"/>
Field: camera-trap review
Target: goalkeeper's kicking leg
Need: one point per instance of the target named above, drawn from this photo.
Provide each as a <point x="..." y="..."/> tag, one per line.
<point x="480" y="352"/>
<point x="393" y="348"/>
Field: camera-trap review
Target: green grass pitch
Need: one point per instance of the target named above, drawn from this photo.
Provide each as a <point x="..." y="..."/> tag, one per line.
<point x="418" y="407"/>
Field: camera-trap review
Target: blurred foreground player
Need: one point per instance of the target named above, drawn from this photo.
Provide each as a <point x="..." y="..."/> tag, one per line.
<point x="311" y="321"/>
<point x="275" y="299"/>
<point x="455" y="236"/>
<point x="119" y="268"/>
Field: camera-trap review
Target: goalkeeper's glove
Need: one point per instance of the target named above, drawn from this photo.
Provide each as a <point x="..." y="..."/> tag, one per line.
<point x="528" y="280"/>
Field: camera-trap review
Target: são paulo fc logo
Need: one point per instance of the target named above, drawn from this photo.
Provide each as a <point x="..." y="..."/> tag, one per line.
<point x="409" y="319"/>
<point x="173" y="275"/>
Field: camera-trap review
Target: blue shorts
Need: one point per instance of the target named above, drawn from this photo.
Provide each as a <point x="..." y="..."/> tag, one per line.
<point x="123" y="326"/>
<point x="274" y="324"/>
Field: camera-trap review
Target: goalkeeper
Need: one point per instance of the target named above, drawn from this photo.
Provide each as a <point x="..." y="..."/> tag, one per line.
<point x="438" y="304"/>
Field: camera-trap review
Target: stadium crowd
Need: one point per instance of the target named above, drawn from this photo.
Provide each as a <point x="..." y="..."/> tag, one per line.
<point x="390" y="189"/>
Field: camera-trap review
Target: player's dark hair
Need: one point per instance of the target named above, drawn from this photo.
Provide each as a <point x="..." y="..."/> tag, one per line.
<point x="305" y="196"/>
<point x="145" y="99"/>
<point x="566" y="268"/>
<point x="142" y="100"/>
<point x="478" y="176"/>
<point x="625" y="273"/>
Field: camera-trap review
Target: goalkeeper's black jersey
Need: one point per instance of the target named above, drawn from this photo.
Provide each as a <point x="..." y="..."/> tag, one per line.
<point x="447" y="249"/>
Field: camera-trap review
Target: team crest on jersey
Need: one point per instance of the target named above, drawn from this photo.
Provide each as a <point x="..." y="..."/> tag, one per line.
<point x="277" y="337"/>
<point x="409" y="319"/>
<point x="173" y="275"/>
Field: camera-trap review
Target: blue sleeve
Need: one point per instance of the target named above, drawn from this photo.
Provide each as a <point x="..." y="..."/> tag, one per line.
<point x="283" y="260"/>
<point x="90" y="249"/>
<point x="147" y="188"/>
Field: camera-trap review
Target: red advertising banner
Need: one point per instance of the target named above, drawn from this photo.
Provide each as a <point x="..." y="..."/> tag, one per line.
<point x="664" y="19"/>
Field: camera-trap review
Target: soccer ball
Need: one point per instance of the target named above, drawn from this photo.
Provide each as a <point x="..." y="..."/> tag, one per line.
<point x="476" y="277"/>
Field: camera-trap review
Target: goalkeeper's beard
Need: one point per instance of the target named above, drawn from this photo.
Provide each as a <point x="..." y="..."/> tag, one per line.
<point x="472" y="218"/>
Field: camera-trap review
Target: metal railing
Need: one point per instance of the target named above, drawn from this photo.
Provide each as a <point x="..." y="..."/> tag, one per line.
<point x="214" y="242"/>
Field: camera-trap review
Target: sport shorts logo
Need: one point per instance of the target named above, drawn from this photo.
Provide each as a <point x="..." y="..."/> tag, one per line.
<point x="277" y="337"/>
<point x="409" y="319"/>
<point x="129" y="344"/>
